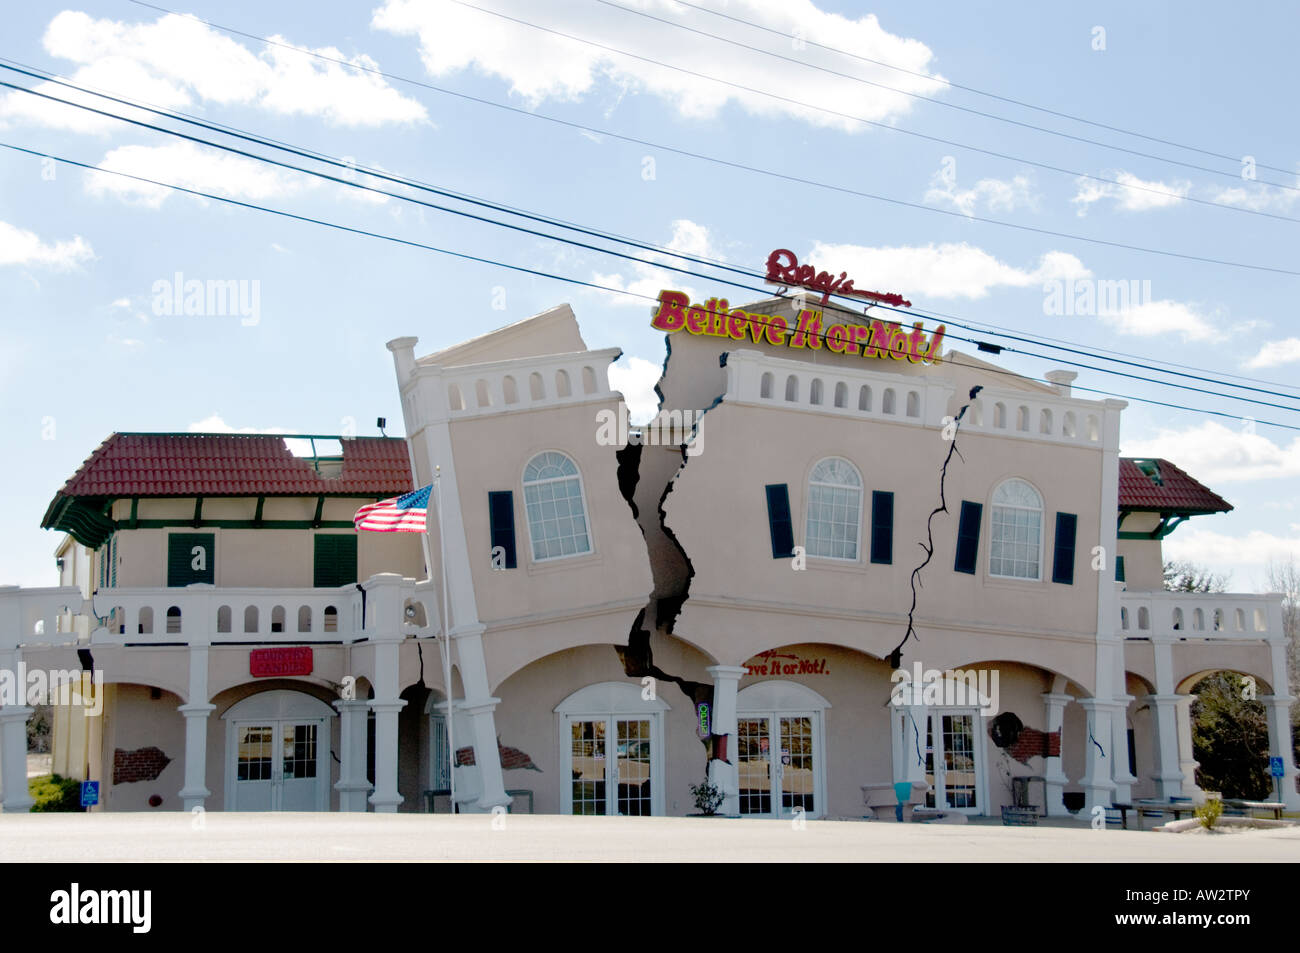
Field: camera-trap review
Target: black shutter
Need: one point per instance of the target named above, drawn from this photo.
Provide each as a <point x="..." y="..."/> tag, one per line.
<point x="501" y="517"/>
<point x="336" y="560"/>
<point x="778" y="520"/>
<point x="1067" y="525"/>
<point x="882" y="526"/>
<point x="181" y="557"/>
<point x="968" y="537"/>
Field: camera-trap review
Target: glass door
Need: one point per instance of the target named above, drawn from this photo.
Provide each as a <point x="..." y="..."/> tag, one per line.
<point x="632" y="770"/>
<point x="589" y="766"/>
<point x="951" y="766"/>
<point x="609" y="783"/>
<point x="277" y="766"/>
<point x="777" y="769"/>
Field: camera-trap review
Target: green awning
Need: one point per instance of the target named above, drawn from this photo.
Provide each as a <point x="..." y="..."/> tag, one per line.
<point x="82" y="518"/>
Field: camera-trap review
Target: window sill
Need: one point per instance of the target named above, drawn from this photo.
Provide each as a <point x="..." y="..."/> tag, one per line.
<point x="562" y="563"/>
<point x="1004" y="582"/>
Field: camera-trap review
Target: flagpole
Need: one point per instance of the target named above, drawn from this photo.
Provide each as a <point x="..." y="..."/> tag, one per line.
<point x="446" y="634"/>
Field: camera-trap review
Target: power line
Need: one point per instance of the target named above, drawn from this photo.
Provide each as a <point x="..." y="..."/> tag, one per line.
<point x="538" y="272"/>
<point x="979" y="92"/>
<point x="929" y="99"/>
<point x="892" y="201"/>
<point x="871" y="122"/>
<point x="484" y="219"/>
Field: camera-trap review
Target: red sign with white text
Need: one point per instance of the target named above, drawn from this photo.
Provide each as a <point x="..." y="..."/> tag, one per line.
<point x="278" y="662"/>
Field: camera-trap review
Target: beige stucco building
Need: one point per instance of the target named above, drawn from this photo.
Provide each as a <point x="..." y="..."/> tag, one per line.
<point x="723" y="593"/>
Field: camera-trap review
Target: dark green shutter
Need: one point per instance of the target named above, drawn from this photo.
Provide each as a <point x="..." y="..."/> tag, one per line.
<point x="882" y="526"/>
<point x="181" y="556"/>
<point x="968" y="537"/>
<point x="1067" y="525"/>
<point x="778" y="520"/>
<point x="1119" y="569"/>
<point x="336" y="561"/>
<point x="501" y="517"/>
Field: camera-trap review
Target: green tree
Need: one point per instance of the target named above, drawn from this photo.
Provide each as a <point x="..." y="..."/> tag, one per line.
<point x="1185" y="576"/>
<point x="1230" y="739"/>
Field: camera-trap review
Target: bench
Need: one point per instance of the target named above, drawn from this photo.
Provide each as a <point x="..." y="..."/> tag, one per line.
<point x="1153" y="808"/>
<point x="1276" y="807"/>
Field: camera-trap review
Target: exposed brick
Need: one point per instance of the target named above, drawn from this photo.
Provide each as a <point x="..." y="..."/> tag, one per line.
<point x="142" y="764"/>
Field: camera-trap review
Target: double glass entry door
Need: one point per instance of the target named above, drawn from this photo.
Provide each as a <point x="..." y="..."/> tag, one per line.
<point x="277" y="766"/>
<point x="776" y="762"/>
<point x="612" y="762"/>
<point x="950" y="761"/>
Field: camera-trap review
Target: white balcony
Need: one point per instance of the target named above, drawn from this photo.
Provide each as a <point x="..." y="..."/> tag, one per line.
<point x="1055" y="419"/>
<point x="1172" y="616"/>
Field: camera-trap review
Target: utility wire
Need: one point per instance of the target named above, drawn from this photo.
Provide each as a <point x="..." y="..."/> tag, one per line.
<point x="556" y="277"/>
<point x="1042" y="231"/>
<point x="929" y="99"/>
<point x="972" y="89"/>
<point x="871" y="122"/>
<point x="545" y="235"/>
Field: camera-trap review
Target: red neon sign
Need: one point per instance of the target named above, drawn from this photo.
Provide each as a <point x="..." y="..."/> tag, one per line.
<point x="783" y="268"/>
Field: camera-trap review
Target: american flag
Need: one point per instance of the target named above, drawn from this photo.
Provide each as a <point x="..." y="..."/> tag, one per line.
<point x="401" y="514"/>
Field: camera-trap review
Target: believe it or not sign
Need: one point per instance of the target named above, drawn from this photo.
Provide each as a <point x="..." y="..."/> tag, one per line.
<point x="89" y="793"/>
<point x="280" y="661"/>
<point x="784" y="663"/>
<point x="716" y="318"/>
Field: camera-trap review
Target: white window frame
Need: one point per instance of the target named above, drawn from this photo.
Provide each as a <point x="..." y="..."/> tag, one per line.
<point x="808" y="504"/>
<point x="979" y="750"/>
<point x="1042" y="532"/>
<point x="775" y="699"/>
<point x="582" y="496"/>
<point x="611" y="701"/>
<point x="275" y="707"/>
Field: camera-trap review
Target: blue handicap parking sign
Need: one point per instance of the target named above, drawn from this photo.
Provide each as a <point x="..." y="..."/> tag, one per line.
<point x="89" y="793"/>
<point x="1275" y="767"/>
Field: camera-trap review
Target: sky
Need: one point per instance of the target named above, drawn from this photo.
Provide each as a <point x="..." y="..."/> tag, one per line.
<point x="908" y="124"/>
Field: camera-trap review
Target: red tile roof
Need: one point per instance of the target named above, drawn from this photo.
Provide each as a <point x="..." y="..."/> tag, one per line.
<point x="185" y="464"/>
<point x="1171" y="491"/>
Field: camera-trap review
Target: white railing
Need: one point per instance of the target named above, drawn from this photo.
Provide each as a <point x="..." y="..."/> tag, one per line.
<point x="1037" y="417"/>
<point x="526" y="383"/>
<point x="757" y="378"/>
<point x="1199" y="615"/>
<point x="208" y="614"/>
<point x="37" y="616"/>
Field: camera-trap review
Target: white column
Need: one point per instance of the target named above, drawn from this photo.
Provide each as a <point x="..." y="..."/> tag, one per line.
<point x="196" y="711"/>
<point x="1279" y="746"/>
<point x="1187" y="763"/>
<point x="1164" y="722"/>
<point x="13" y="757"/>
<point x="1098" y="785"/>
<point x="723" y="721"/>
<point x="478" y="709"/>
<point x="383" y="626"/>
<point x="352" y="784"/>
<point x="1054" y="715"/>
<point x="1120" y="774"/>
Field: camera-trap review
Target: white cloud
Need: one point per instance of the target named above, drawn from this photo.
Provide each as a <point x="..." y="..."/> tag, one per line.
<point x="176" y="62"/>
<point x="1160" y="319"/>
<point x="1208" y="548"/>
<point x="1276" y="353"/>
<point x="635" y="378"/>
<point x="1258" y="196"/>
<point x="121" y="303"/>
<point x="997" y="195"/>
<point x="215" y="424"/>
<point x="1131" y="193"/>
<point x="939" y="271"/>
<point x="21" y="247"/>
<point x="189" y="166"/>
<point x="689" y="238"/>
<point x="540" y="66"/>
<point x="1213" y="453"/>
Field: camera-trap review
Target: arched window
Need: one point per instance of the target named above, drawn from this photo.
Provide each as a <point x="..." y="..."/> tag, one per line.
<point x="765" y="385"/>
<point x="557" y="518"/>
<point x="1017" y="537"/>
<point x="841" y="394"/>
<point x="815" y="391"/>
<point x="834" y="510"/>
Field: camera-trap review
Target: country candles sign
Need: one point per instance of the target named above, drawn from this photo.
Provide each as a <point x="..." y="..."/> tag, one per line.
<point x="716" y="318"/>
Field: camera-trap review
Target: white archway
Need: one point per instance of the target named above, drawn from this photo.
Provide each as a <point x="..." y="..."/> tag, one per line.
<point x="780" y="749"/>
<point x="277" y="752"/>
<point x="611" y="746"/>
